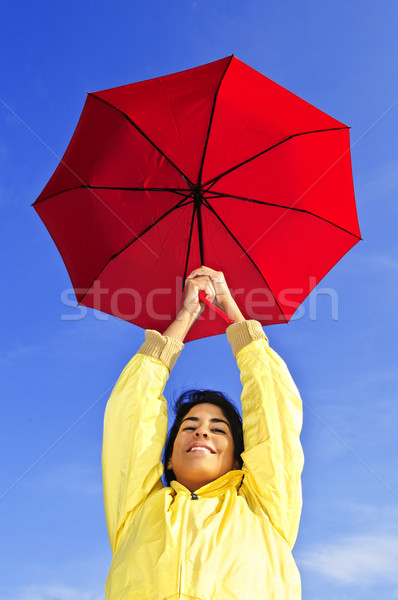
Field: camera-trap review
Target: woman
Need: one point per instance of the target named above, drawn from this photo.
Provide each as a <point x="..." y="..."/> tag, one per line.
<point x="221" y="530"/>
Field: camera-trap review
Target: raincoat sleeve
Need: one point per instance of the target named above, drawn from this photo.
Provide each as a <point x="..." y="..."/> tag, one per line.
<point x="135" y="429"/>
<point x="272" y="420"/>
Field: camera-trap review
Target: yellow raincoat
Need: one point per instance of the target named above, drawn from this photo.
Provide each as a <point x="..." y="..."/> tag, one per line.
<point x="233" y="541"/>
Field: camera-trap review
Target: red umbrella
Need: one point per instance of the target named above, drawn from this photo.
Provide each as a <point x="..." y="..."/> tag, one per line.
<point x="217" y="165"/>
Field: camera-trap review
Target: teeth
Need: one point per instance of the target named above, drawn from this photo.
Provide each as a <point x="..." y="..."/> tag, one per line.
<point x="200" y="449"/>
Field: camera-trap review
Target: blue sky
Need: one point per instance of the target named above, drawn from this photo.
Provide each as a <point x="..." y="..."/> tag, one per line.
<point x="57" y="370"/>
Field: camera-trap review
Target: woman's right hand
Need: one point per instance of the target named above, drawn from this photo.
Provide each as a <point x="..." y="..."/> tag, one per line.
<point x="192" y="307"/>
<point x="193" y="286"/>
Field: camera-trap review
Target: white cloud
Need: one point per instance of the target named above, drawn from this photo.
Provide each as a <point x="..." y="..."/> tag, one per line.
<point x="384" y="517"/>
<point x="375" y="262"/>
<point x="49" y="592"/>
<point x="381" y="261"/>
<point x="362" y="560"/>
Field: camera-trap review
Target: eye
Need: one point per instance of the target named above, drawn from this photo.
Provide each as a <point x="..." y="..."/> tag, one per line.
<point x="219" y="430"/>
<point x="188" y="428"/>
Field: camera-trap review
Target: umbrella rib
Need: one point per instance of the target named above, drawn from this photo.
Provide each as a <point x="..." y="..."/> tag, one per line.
<point x="186" y="178"/>
<point x="246" y="253"/>
<point x="211" y="120"/>
<point x="178" y="205"/>
<point x="178" y="191"/>
<point x="211" y="182"/>
<point x="287" y="208"/>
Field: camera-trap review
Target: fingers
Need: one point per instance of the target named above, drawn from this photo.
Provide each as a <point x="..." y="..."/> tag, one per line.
<point x="192" y="289"/>
<point x="196" y="284"/>
<point x="217" y="277"/>
<point x="222" y="292"/>
<point x="214" y="285"/>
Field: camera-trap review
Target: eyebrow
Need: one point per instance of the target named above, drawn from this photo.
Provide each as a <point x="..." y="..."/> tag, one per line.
<point x="215" y="420"/>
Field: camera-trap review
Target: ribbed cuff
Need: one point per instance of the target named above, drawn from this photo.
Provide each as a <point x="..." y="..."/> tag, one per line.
<point x="241" y="334"/>
<point x="164" y="348"/>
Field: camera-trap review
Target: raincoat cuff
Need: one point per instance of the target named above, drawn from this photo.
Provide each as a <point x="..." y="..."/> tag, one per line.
<point x="241" y="334"/>
<point x="164" y="348"/>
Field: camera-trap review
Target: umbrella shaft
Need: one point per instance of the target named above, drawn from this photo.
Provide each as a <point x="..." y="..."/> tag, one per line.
<point x="198" y="199"/>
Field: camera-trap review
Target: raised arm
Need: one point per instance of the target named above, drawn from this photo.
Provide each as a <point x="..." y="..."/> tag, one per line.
<point x="272" y="419"/>
<point x="135" y="429"/>
<point x="135" y="424"/>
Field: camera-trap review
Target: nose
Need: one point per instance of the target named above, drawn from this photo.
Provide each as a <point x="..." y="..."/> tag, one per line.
<point x="201" y="433"/>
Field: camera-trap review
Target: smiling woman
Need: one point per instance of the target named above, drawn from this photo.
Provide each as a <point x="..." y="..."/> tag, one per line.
<point x="206" y="423"/>
<point x="224" y="526"/>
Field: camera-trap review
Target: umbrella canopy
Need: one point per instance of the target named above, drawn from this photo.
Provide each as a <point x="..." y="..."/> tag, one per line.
<point x="216" y="165"/>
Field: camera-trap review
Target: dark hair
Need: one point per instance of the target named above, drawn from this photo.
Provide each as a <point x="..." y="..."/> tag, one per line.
<point x="183" y="405"/>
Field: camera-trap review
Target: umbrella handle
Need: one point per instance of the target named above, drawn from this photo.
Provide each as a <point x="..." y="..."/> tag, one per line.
<point x="202" y="298"/>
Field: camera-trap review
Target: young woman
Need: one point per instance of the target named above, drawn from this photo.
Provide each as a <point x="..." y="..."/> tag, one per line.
<point x="224" y="527"/>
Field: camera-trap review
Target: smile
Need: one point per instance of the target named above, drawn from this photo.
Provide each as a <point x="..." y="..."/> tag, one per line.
<point x="201" y="449"/>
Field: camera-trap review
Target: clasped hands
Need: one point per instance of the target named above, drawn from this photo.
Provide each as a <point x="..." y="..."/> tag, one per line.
<point x="213" y="284"/>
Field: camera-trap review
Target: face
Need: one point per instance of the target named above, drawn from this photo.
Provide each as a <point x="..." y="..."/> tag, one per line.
<point x="204" y="448"/>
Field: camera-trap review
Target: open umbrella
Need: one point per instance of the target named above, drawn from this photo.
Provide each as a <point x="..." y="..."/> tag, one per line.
<point x="216" y="165"/>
